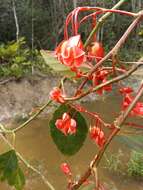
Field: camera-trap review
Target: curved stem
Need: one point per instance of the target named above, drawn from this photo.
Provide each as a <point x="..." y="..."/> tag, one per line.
<point x="101" y="22"/>
<point x="114" y="80"/>
<point x="28" y="165"/>
<point x="117" y="127"/>
<point x="114" y="50"/>
<point x="32" y="117"/>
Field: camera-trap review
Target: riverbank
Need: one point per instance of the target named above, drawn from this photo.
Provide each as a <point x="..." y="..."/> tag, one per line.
<point x="19" y="97"/>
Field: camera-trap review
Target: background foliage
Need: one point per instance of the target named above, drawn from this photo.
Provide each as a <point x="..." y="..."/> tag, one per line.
<point x="48" y="17"/>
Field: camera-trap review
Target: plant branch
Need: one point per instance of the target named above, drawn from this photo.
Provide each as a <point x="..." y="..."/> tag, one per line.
<point x="32" y="117"/>
<point x="114" y="50"/>
<point x="101" y="22"/>
<point x="16" y="19"/>
<point x="114" y="80"/>
<point x="117" y="126"/>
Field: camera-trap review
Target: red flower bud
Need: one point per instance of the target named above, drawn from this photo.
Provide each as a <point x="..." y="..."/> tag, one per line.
<point x="57" y="95"/>
<point x="97" y="135"/>
<point x="70" y="52"/>
<point x="65" y="169"/>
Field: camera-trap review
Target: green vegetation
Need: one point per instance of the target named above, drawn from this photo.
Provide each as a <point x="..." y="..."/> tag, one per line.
<point x="133" y="168"/>
<point x="135" y="164"/>
<point x="17" y="60"/>
<point x="114" y="163"/>
<point x="10" y="170"/>
<point x="39" y="24"/>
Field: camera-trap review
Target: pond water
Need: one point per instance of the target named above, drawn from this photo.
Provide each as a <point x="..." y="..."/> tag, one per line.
<point x="35" y="144"/>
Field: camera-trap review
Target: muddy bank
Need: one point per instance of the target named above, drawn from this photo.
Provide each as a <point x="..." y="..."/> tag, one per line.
<point x="18" y="97"/>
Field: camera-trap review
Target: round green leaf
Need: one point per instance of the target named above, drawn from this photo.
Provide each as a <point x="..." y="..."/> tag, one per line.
<point x="69" y="144"/>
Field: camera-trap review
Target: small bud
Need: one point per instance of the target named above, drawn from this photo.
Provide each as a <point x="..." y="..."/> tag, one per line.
<point x="65" y="169"/>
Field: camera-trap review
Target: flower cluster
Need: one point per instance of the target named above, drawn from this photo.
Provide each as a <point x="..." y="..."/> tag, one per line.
<point x="97" y="135"/>
<point x="70" y="52"/>
<point x="128" y="98"/>
<point x="56" y="95"/>
<point x="66" y="124"/>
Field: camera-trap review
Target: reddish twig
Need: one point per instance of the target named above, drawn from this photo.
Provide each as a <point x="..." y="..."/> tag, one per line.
<point x="114" y="50"/>
<point x="117" y="127"/>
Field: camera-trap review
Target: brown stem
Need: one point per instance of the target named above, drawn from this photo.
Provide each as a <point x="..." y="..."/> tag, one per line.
<point x="114" y="80"/>
<point x="31" y="118"/>
<point x="117" y="124"/>
<point x="115" y="49"/>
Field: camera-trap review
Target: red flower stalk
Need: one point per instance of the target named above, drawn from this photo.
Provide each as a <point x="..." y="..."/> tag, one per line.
<point x="56" y="95"/>
<point x="101" y="77"/>
<point x="66" y="125"/>
<point x="70" y="52"/>
<point x="97" y="135"/>
<point x="66" y="169"/>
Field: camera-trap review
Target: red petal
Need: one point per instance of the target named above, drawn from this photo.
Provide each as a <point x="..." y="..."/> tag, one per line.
<point x="67" y="57"/>
<point x="60" y="48"/>
<point x="59" y="123"/>
<point x="78" y="56"/>
<point x="74" y="41"/>
<point x="65" y="169"/>
<point x="126" y="90"/>
<point x="138" y="110"/>
<point x="97" y="51"/>
<point x="73" y="123"/>
<point x="65" y="116"/>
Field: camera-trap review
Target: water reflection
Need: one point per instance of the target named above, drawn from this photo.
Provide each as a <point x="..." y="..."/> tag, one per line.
<point x="36" y="145"/>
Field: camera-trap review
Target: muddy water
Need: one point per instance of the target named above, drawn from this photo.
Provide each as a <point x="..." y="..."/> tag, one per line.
<point x="36" y="145"/>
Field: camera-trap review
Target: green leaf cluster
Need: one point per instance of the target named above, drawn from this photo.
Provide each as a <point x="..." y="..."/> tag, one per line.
<point x="10" y="170"/>
<point x="16" y="59"/>
<point x="135" y="164"/>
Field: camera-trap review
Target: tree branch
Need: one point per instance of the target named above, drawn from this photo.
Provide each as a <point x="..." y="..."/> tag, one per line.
<point x="117" y="127"/>
<point x="16" y="19"/>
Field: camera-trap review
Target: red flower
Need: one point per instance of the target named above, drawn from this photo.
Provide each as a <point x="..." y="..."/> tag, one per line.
<point x="57" y="95"/>
<point x="96" y="51"/>
<point x="70" y="52"/>
<point x="97" y="135"/>
<point x="66" y="169"/>
<point x="137" y="110"/>
<point x="66" y="125"/>
<point x="126" y="90"/>
<point x="101" y="77"/>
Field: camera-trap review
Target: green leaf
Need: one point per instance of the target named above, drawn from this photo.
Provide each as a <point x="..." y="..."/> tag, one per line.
<point x="69" y="144"/>
<point x="56" y="66"/>
<point x="10" y="170"/>
<point x="19" y="180"/>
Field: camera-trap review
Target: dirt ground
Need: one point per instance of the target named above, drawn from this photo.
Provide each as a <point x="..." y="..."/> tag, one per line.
<point x="18" y="97"/>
